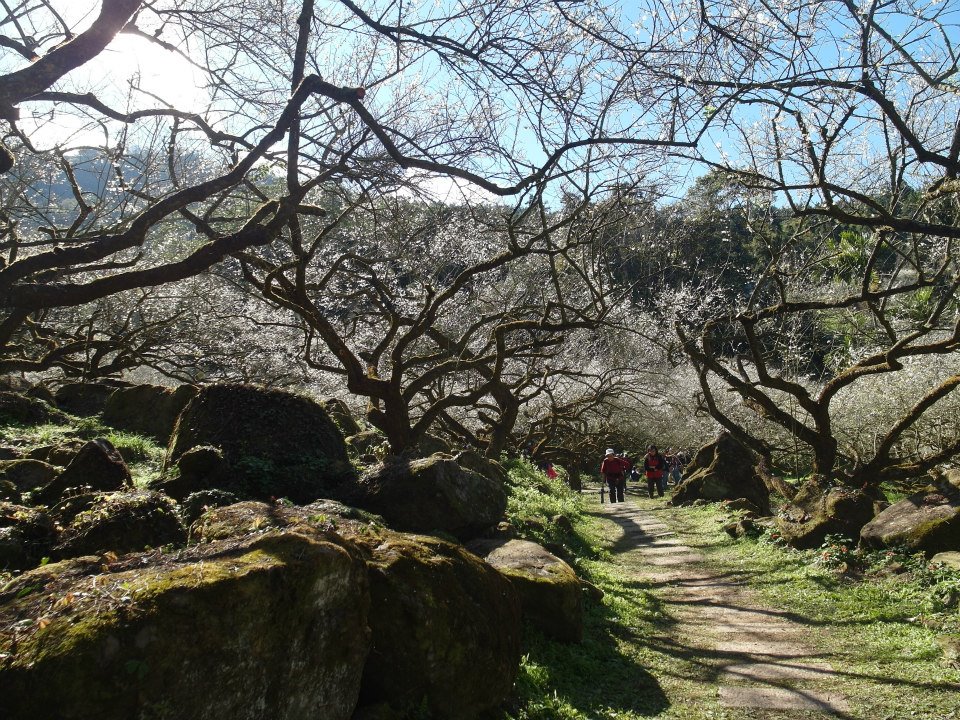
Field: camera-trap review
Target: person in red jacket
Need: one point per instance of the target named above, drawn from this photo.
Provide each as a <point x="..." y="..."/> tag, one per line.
<point x="655" y="468"/>
<point x="614" y="472"/>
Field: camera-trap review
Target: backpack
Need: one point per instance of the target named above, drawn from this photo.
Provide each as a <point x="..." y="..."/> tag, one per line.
<point x="634" y="475"/>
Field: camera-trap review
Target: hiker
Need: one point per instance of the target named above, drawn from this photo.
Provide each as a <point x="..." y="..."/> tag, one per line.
<point x="675" y="466"/>
<point x="655" y="468"/>
<point x="628" y="470"/>
<point x="613" y="471"/>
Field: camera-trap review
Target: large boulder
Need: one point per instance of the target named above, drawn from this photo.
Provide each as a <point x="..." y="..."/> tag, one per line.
<point x="275" y="444"/>
<point x="150" y="410"/>
<point x="194" y="505"/>
<point x="819" y="511"/>
<point x="432" y="494"/>
<point x="367" y="443"/>
<point x="551" y="594"/>
<point x="26" y="536"/>
<point x="270" y="626"/>
<point x="928" y="521"/>
<point x="97" y="466"/>
<point x="446" y="630"/>
<point x="122" y="522"/>
<point x="199" y="469"/>
<point x="473" y="460"/>
<point x="445" y="625"/>
<point x="85" y="399"/>
<point x="27" y="474"/>
<point x="338" y="411"/>
<point x="16" y="408"/>
<point x="724" y="470"/>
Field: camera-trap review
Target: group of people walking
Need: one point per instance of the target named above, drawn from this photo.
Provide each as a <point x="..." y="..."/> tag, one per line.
<point x="658" y="469"/>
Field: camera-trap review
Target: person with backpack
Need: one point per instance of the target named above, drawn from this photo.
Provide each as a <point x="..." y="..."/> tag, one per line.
<point x="655" y="468"/>
<point x="613" y="470"/>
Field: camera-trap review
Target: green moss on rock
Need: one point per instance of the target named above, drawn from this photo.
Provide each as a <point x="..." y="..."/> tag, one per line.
<point x="275" y="444"/>
<point x="272" y="626"/>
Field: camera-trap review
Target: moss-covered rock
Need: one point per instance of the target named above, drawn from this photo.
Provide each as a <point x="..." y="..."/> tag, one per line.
<point x="446" y="629"/>
<point x="150" y="410"/>
<point x="97" y="466"/>
<point x="275" y="444"/>
<point x="199" y="469"/>
<point x="928" y="521"/>
<point x="365" y="443"/>
<point x="338" y="411"/>
<point x="64" y="453"/>
<point x="122" y="522"/>
<point x="9" y="491"/>
<point x="196" y="504"/>
<point x="824" y="511"/>
<point x="429" y="445"/>
<point x="16" y="408"/>
<point x="551" y="594"/>
<point x="85" y="399"/>
<point x="244" y="518"/>
<point x="724" y="470"/>
<point x="950" y="558"/>
<point x="472" y="460"/>
<point x="27" y="474"/>
<point x="432" y="494"/>
<point x="446" y="626"/>
<point x="273" y="626"/>
<point x="26" y="536"/>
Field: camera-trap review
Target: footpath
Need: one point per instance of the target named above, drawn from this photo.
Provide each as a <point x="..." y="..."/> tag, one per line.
<point x="762" y="664"/>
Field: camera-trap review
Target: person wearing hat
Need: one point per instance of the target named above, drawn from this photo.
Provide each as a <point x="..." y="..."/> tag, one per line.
<point x="614" y="471"/>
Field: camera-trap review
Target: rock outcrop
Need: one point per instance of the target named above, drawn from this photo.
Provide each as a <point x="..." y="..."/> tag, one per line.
<point x="268" y="626"/>
<point x="927" y="521"/>
<point x="432" y="494"/>
<point x="818" y="511"/>
<point x="551" y="594"/>
<point x="723" y="470"/>
<point x="275" y="444"/>
<point x="150" y="410"/>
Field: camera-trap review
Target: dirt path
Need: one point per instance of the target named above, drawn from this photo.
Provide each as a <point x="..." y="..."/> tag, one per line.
<point x="761" y="662"/>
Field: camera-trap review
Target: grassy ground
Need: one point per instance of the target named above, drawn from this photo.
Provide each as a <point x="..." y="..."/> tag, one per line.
<point x="143" y="455"/>
<point x="889" y="623"/>
<point x="888" y="630"/>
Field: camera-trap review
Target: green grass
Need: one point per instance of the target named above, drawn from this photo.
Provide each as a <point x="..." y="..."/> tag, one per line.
<point x="31" y="436"/>
<point x="143" y="455"/>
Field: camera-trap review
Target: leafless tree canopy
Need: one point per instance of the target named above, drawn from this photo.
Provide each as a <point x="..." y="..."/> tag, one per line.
<point x="291" y="147"/>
